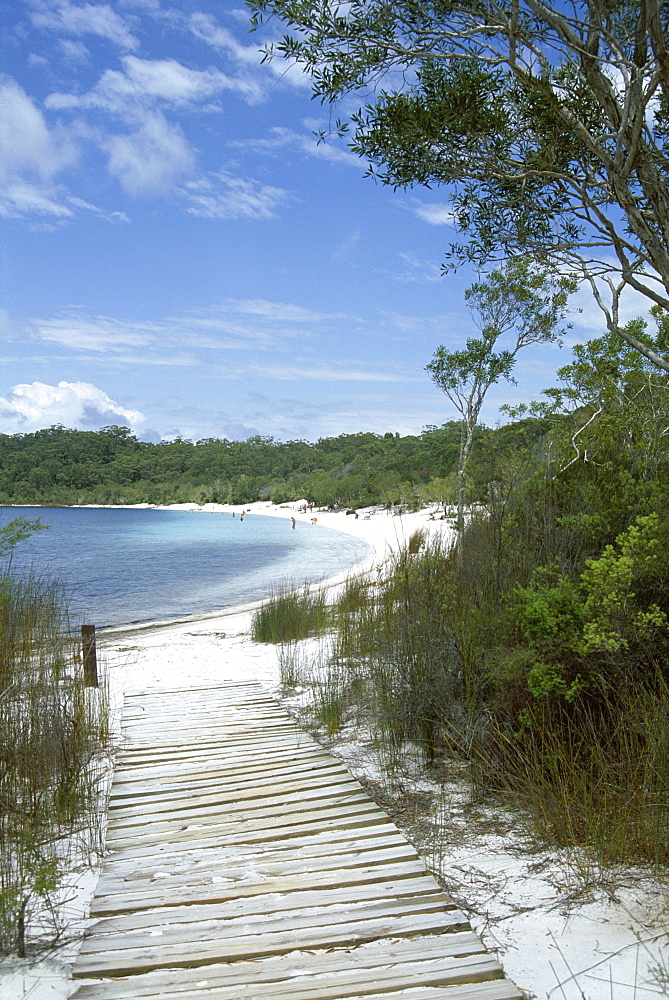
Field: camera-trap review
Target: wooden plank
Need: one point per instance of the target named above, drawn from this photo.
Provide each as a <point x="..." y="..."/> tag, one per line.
<point x="199" y="761"/>
<point x="214" y="712"/>
<point x="302" y="967"/>
<point x="338" y="840"/>
<point x="230" y="820"/>
<point x="285" y="802"/>
<point x="205" y="838"/>
<point x="124" y="901"/>
<point x="244" y="863"/>
<point x="261" y="821"/>
<point x="234" y="864"/>
<point x="268" y="903"/>
<point x="108" y="938"/>
<point x="243" y="739"/>
<point x="173" y="878"/>
<point x="228" y="748"/>
<point x="240" y="947"/>
<point x="310" y="847"/>
<point x="332" y="784"/>
<point x="472" y="969"/>
<point x="144" y="780"/>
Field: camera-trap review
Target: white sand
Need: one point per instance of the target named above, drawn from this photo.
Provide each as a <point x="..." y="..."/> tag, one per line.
<point x="521" y="902"/>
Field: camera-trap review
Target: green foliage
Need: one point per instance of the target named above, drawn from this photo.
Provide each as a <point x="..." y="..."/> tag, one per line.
<point x="17" y="530"/>
<point x="351" y="470"/>
<point x="539" y="649"/>
<point x="290" y="614"/>
<point x="533" y="116"/>
<point x="520" y="301"/>
<point x="640" y="556"/>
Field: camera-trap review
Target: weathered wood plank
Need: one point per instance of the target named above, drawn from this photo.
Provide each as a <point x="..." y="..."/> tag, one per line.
<point x="472" y="969"/>
<point x="241" y="948"/>
<point x="143" y="781"/>
<point x="270" y="903"/>
<point x="264" y="820"/>
<point x="299" y="850"/>
<point x="173" y="878"/>
<point x="331" y="784"/>
<point x="298" y="969"/>
<point x="329" y="841"/>
<point x="246" y="864"/>
<point x="313" y="920"/>
<point x="322" y="826"/>
<point x="123" y="900"/>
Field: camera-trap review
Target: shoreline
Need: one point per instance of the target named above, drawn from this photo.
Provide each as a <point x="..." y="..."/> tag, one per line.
<point x="382" y="530"/>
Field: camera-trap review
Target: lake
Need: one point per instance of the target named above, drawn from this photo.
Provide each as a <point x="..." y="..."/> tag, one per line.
<point x="122" y="565"/>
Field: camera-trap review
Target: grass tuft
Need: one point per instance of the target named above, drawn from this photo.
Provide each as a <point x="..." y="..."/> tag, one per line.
<point x="53" y="730"/>
<point x="291" y="614"/>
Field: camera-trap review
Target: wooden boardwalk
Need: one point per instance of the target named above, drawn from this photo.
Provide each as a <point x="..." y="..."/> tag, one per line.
<point x="245" y="863"/>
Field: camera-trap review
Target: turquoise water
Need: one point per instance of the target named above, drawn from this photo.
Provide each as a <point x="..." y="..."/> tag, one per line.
<point x="121" y="565"/>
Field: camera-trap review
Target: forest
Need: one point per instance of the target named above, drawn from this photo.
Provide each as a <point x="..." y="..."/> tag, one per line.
<point x="110" y="466"/>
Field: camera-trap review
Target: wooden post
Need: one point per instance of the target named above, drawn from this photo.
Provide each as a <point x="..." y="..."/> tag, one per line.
<point x="90" y="656"/>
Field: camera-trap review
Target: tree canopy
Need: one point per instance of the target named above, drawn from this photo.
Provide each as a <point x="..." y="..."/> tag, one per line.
<point x="519" y="303"/>
<point x="548" y="123"/>
<point x="62" y="466"/>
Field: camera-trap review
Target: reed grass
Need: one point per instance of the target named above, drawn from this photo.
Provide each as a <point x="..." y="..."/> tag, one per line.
<point x="595" y="777"/>
<point x="53" y="735"/>
<point x="397" y="646"/>
<point x="291" y="613"/>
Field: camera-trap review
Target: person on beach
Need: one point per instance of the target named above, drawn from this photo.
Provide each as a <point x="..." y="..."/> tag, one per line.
<point x="294" y="522"/>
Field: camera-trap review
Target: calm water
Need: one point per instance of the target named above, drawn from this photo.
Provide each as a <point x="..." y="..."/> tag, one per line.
<point x="122" y="566"/>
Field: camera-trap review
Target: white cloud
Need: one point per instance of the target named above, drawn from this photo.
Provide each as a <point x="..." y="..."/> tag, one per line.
<point x="347" y="246"/>
<point x="333" y="372"/>
<point x="208" y="30"/>
<point x="234" y="325"/>
<point x="69" y="18"/>
<point x="222" y="196"/>
<point x="34" y="405"/>
<point x="443" y="329"/>
<point x="150" y="160"/>
<point x="144" y="82"/>
<point x="80" y="203"/>
<point x="279" y="311"/>
<point x="93" y="333"/>
<point x="436" y="214"/>
<point x="280" y="138"/>
<point x="418" y="271"/>
<point x="30" y="157"/>
<point x="73" y="52"/>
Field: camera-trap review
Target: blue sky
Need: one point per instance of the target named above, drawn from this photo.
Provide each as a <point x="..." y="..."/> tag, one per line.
<point x="180" y="254"/>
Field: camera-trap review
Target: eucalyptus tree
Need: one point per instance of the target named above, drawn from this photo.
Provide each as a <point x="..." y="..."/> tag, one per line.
<point x="519" y="303"/>
<point x="548" y="123"/>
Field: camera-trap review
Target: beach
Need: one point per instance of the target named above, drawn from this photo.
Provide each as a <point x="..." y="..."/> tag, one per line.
<point x="554" y="936"/>
<point x="216" y="646"/>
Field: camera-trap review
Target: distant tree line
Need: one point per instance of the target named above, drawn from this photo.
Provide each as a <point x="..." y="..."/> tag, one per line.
<point x="62" y="466"/>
